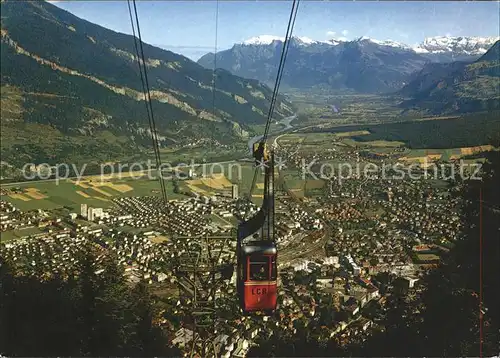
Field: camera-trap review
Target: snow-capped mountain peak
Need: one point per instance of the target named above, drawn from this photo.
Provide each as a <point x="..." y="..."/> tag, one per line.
<point x="306" y="41"/>
<point x="465" y="45"/>
<point x="335" y="42"/>
<point x="431" y="45"/>
<point x="262" y="40"/>
<point x="390" y="43"/>
<point x="269" y="39"/>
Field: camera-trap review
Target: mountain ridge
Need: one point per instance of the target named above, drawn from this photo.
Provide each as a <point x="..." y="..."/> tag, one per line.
<point x="364" y="65"/>
<point x="460" y="45"/>
<point x="457" y="87"/>
<point x="80" y="79"/>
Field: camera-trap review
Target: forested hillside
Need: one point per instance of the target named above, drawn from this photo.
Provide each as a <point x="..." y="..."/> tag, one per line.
<point x="77" y="80"/>
<point x="92" y="313"/>
<point x="458" y="87"/>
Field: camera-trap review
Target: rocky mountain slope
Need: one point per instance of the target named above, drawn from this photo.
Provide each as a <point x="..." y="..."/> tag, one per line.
<point x="363" y="65"/>
<point x="70" y="86"/>
<point x="447" y="49"/>
<point x="458" y="86"/>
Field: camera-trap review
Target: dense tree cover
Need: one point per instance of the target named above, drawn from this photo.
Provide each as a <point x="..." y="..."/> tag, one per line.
<point x="88" y="314"/>
<point x="300" y="344"/>
<point x="467" y="131"/>
<point x="447" y="317"/>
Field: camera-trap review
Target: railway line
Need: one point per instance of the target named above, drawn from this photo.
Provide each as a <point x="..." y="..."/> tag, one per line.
<point x="289" y="254"/>
<point x="295" y="252"/>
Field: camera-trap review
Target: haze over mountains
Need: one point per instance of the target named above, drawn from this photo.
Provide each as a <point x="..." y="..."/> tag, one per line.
<point x="363" y="65"/>
<point x="79" y="83"/>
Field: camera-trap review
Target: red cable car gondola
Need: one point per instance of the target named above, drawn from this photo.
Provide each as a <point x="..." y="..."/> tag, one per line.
<point x="256" y="248"/>
<point x="258" y="277"/>
<point x="256" y="245"/>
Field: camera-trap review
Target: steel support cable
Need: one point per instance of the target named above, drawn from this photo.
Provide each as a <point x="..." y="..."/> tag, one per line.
<point x="279" y="75"/>
<point x="154" y="131"/>
<point x="282" y="71"/>
<point x="286" y="46"/>
<point x="284" y="52"/>
<point x="145" y="96"/>
<point x="214" y="74"/>
<point x="280" y="68"/>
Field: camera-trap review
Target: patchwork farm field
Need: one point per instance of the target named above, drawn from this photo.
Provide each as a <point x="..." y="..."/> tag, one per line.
<point x="445" y="154"/>
<point x="93" y="191"/>
<point x="440" y="132"/>
<point x="16" y="234"/>
<point x="51" y="195"/>
<point x="323" y="142"/>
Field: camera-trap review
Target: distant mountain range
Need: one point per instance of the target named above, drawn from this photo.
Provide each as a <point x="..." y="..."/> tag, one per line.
<point x="455" y="46"/>
<point x="70" y="86"/>
<point x="456" y="87"/>
<point x="447" y="48"/>
<point x="362" y="65"/>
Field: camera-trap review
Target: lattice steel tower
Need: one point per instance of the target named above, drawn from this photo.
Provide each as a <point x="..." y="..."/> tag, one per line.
<point x="203" y="264"/>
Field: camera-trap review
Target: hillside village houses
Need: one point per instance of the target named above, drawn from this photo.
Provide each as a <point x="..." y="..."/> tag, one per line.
<point x="145" y="260"/>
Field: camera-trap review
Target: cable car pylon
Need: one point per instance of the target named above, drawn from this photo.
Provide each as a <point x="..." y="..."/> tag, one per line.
<point x="202" y="266"/>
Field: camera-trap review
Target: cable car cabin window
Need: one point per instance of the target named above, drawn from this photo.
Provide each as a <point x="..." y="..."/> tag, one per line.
<point x="273" y="268"/>
<point x="241" y="272"/>
<point x="259" y="268"/>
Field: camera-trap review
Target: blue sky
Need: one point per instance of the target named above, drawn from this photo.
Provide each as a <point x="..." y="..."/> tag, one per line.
<point x="188" y="27"/>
